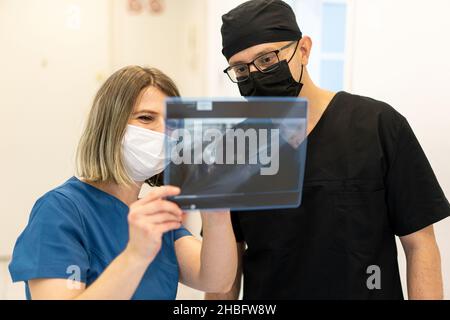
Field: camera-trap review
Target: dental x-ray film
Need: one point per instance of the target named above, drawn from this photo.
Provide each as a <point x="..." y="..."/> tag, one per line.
<point x="238" y="154"/>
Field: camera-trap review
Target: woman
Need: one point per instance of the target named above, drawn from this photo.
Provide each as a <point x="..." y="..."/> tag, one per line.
<point x="92" y="238"/>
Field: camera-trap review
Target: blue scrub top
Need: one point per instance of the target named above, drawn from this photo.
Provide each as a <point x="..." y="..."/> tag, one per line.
<point x="77" y="227"/>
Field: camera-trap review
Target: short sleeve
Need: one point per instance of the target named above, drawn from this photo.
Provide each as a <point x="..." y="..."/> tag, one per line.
<point x="181" y="232"/>
<point x="414" y="197"/>
<point x="51" y="246"/>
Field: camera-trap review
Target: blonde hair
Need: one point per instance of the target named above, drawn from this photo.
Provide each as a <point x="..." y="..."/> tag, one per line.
<point x="99" y="153"/>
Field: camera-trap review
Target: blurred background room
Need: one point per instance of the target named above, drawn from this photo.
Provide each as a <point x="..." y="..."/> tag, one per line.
<point x="54" y="55"/>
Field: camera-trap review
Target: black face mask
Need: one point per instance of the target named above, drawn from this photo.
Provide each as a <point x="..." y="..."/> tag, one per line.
<point x="276" y="83"/>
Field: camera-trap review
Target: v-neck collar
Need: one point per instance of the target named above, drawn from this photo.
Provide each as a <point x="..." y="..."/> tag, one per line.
<point x="99" y="191"/>
<point x="324" y="115"/>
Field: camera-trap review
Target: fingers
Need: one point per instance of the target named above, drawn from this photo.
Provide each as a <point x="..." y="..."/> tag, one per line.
<point x="158" y="206"/>
<point x="158" y="193"/>
<point x="168" y="226"/>
<point x="158" y="224"/>
<point x="162" y="218"/>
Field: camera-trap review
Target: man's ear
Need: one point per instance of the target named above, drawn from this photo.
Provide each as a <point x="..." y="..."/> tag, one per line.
<point x="305" y="46"/>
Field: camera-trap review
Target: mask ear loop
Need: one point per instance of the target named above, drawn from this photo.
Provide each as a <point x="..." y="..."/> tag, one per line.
<point x="301" y="75"/>
<point x="292" y="57"/>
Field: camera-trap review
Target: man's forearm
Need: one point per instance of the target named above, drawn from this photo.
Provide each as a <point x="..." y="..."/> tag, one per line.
<point x="233" y="294"/>
<point x="218" y="252"/>
<point x="424" y="274"/>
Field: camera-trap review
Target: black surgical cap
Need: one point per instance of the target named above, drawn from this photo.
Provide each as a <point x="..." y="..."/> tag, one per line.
<point x="255" y="22"/>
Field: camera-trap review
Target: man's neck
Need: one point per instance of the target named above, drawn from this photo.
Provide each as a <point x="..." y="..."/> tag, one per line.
<point x="318" y="101"/>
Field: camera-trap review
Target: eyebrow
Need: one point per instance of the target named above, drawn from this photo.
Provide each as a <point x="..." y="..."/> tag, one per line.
<point x="145" y="111"/>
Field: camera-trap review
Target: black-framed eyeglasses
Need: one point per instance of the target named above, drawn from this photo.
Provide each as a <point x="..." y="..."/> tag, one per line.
<point x="264" y="63"/>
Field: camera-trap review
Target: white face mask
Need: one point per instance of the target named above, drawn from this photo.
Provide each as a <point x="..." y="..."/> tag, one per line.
<point x="143" y="153"/>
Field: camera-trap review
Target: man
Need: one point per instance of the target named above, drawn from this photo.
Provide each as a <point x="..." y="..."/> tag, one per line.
<point x="366" y="181"/>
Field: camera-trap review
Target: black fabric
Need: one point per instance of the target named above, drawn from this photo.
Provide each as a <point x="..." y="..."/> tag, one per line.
<point x="367" y="180"/>
<point x="256" y="22"/>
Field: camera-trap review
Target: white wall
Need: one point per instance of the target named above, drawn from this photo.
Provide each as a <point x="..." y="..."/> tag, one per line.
<point x="218" y="84"/>
<point x="173" y="41"/>
<point x="401" y="55"/>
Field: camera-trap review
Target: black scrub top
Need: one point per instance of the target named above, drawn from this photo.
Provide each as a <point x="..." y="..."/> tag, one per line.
<point x="367" y="179"/>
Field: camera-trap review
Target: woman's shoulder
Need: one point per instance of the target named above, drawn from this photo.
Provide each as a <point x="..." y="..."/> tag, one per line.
<point x="54" y="238"/>
<point x="77" y="201"/>
<point x="58" y="201"/>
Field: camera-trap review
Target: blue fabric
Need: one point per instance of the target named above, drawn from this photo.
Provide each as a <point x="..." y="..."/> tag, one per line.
<point x="82" y="226"/>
